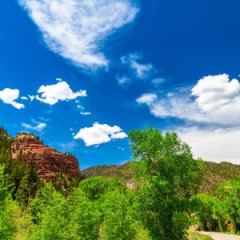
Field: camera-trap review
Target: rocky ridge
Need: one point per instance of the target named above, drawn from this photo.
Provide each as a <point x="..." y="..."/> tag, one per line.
<point x="49" y="163"/>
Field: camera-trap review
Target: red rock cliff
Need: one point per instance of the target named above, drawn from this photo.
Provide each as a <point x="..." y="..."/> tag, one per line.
<point x="47" y="161"/>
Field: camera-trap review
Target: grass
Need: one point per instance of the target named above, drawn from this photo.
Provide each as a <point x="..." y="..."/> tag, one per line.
<point x="192" y="235"/>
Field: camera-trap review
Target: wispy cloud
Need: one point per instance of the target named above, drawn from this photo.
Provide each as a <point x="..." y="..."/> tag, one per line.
<point x="133" y="60"/>
<point x="156" y="82"/>
<point x="123" y="80"/>
<point x="76" y="29"/>
<point x="135" y="69"/>
<point x="31" y="97"/>
<point x="85" y="113"/>
<point x="99" y="133"/>
<point x="9" y="96"/>
<point x="67" y="147"/>
<point x="51" y="94"/>
<point x="213" y="100"/>
<point x="147" y="98"/>
<point x="39" y="127"/>
<point x="24" y="98"/>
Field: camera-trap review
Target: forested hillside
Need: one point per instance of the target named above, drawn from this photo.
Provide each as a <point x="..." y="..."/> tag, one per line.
<point x="215" y="174"/>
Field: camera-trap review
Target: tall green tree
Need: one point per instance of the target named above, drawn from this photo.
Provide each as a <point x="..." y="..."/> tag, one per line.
<point x="7" y="210"/>
<point x="204" y="207"/>
<point x="166" y="176"/>
<point x="229" y="194"/>
<point x="85" y="216"/>
<point x="28" y="185"/>
<point x="119" y="220"/>
<point x="50" y="214"/>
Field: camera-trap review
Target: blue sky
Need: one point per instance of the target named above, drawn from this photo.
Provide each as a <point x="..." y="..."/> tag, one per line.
<point x="82" y="74"/>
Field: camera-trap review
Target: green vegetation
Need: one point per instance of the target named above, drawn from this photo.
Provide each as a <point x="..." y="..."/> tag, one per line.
<point x="162" y="203"/>
<point x="124" y="171"/>
<point x="214" y="174"/>
<point x="220" y="212"/>
<point x="166" y="176"/>
<point x="217" y="173"/>
<point x="192" y="235"/>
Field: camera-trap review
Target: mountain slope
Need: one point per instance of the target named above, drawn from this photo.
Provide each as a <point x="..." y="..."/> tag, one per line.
<point x="215" y="174"/>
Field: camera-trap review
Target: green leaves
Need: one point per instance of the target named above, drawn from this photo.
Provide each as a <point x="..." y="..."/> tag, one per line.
<point x="229" y="194"/>
<point x="119" y="222"/>
<point x="166" y="176"/>
<point x="7" y="209"/>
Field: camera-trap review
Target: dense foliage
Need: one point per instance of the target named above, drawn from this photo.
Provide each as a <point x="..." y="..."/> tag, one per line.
<point x="166" y="176"/>
<point x="213" y="176"/>
<point x="220" y="212"/>
<point x="160" y="204"/>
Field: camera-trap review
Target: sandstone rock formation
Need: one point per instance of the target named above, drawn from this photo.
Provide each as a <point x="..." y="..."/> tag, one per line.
<point x="49" y="163"/>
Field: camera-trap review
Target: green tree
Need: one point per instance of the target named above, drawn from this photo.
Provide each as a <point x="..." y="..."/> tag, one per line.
<point x="85" y="216"/>
<point x="95" y="187"/>
<point x="204" y="206"/>
<point x="7" y="210"/>
<point x="50" y="214"/>
<point x="166" y="176"/>
<point x="220" y="214"/>
<point x="119" y="222"/>
<point x="229" y="194"/>
<point x="28" y="186"/>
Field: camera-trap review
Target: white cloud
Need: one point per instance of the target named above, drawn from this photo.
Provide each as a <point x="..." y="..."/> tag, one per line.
<point x="213" y="100"/>
<point x="123" y="80"/>
<point x="99" y="133"/>
<point x="147" y="98"/>
<point x="24" y="98"/>
<point x="80" y="107"/>
<point x="85" y="113"/>
<point x="61" y="91"/>
<point x="216" y="91"/>
<point x="119" y="135"/>
<point x="215" y="145"/>
<point x="39" y="127"/>
<point x="76" y="29"/>
<point x="141" y="70"/>
<point x="157" y="81"/>
<point x="31" y="97"/>
<point x="9" y="96"/>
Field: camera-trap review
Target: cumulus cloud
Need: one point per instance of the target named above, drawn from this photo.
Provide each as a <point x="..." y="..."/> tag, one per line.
<point x="39" y="127"/>
<point x="99" y="133"/>
<point x="52" y="94"/>
<point x="76" y="29"/>
<point x="9" y="96"/>
<point x="215" y="145"/>
<point x="213" y="100"/>
<point x="215" y="92"/>
<point x="141" y="70"/>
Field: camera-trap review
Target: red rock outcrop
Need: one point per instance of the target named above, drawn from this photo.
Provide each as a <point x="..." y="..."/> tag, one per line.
<point x="48" y="162"/>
